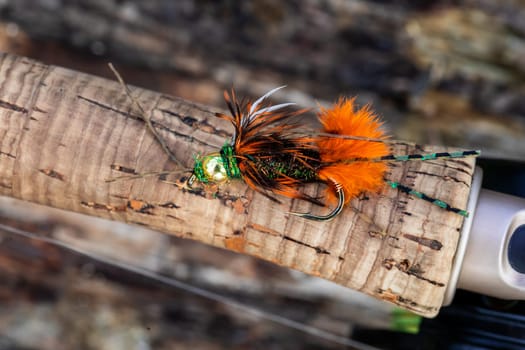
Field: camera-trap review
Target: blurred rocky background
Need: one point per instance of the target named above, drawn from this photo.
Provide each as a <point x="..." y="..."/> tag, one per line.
<point x="438" y="72"/>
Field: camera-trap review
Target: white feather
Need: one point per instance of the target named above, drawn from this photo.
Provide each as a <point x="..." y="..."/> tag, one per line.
<point x="264" y="97"/>
<point x="271" y="109"/>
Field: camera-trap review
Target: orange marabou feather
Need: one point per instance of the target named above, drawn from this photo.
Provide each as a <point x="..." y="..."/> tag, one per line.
<point x="354" y="177"/>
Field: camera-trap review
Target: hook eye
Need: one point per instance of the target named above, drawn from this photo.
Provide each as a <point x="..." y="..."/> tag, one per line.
<point x="191" y="181"/>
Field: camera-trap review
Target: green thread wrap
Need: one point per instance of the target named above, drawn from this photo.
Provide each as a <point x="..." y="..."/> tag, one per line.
<point x="229" y="162"/>
<point x="198" y="170"/>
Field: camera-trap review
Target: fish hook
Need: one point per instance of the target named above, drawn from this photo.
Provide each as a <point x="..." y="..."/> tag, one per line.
<point x="333" y="214"/>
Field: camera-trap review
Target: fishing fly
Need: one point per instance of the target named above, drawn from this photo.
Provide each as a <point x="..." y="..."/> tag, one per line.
<point x="350" y="155"/>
